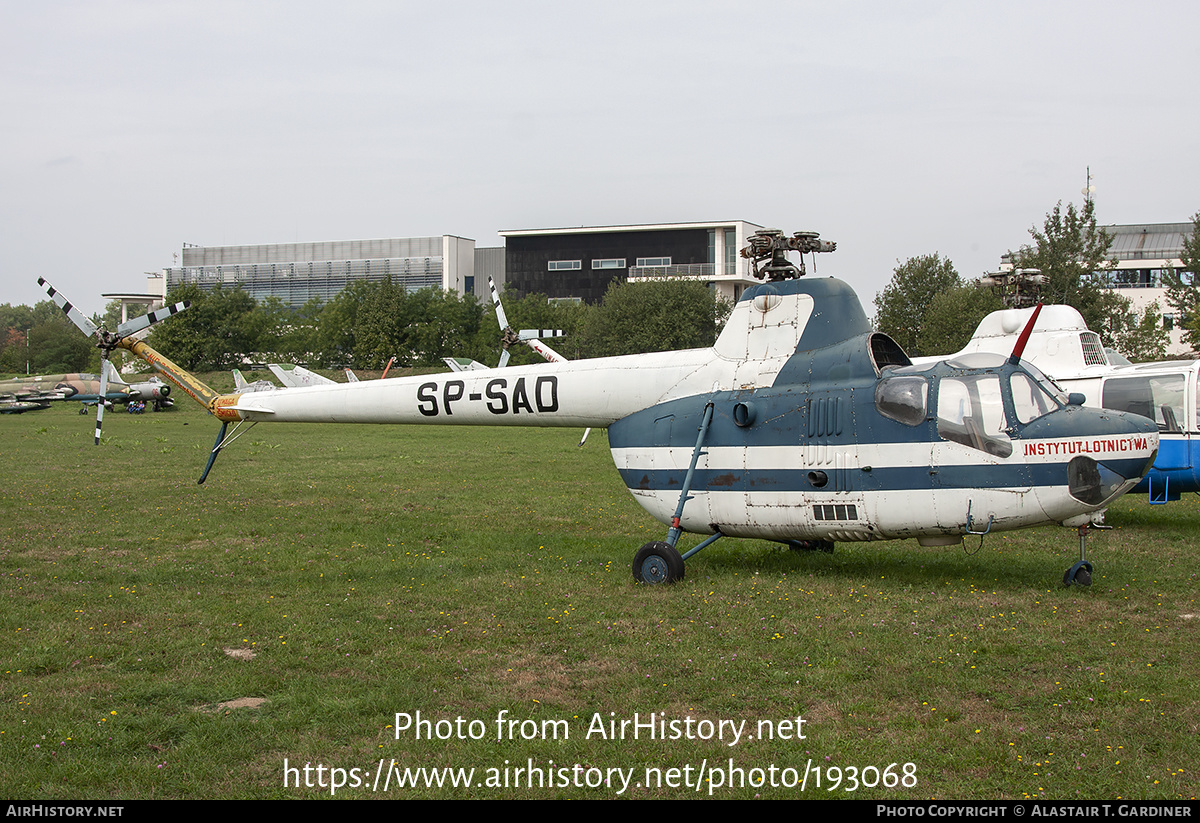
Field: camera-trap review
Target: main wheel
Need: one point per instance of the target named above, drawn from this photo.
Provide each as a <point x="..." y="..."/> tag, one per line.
<point x="657" y="562"/>
<point x="1079" y="574"/>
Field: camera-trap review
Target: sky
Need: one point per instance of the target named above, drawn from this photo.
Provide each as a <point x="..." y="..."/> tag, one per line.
<point x="895" y="129"/>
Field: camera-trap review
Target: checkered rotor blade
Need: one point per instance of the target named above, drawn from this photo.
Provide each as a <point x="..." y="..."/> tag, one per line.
<point x="103" y="395"/>
<point x="77" y="317"/>
<point x="146" y="320"/>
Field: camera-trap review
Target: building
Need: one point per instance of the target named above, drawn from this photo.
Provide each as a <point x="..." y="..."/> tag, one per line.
<point x="580" y="263"/>
<point x="296" y="273"/>
<point x="564" y="263"/>
<point x="1141" y="253"/>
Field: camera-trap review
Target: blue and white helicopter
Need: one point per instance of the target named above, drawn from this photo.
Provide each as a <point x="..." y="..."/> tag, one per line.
<point x="1167" y="392"/>
<point x="800" y="425"/>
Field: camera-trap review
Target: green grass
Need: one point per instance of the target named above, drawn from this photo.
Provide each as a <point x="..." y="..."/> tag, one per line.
<point x="465" y="573"/>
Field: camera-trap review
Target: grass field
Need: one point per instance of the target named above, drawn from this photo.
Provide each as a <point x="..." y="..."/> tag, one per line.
<point x="167" y="640"/>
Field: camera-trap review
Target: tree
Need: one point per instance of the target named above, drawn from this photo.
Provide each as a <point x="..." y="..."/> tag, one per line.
<point x="904" y="303"/>
<point x="1071" y="251"/>
<point x="56" y="346"/>
<point x="1183" y="286"/>
<point x="654" y="315"/>
<point x="217" y="331"/>
<point x="953" y="316"/>
<point x="13" y="350"/>
<point x="1143" y="339"/>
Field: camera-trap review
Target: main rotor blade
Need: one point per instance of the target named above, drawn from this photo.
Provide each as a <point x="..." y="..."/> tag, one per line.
<point x="146" y="320"/>
<point x="77" y="317"/>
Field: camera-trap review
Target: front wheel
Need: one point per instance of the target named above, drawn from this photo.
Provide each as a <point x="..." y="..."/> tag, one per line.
<point x="657" y="562"/>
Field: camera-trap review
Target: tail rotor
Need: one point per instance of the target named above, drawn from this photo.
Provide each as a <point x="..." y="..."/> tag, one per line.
<point x="106" y="340"/>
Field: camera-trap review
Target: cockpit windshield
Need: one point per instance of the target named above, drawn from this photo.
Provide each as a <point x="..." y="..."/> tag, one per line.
<point x="1047" y="383"/>
<point x="1030" y="398"/>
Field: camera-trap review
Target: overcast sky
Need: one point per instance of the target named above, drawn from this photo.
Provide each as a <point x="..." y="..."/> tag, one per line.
<point x="895" y="129"/>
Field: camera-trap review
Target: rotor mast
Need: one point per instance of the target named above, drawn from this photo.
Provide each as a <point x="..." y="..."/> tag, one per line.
<point x="767" y="250"/>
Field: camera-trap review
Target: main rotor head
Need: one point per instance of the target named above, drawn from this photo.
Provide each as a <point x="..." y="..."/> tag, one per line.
<point x="769" y="247"/>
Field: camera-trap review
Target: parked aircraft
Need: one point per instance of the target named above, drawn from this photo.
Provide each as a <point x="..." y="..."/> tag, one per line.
<point x="1168" y="393"/>
<point x="800" y="425"/>
<point x="294" y="377"/>
<point x="44" y="388"/>
<point x="10" y="405"/>
<point x="242" y="385"/>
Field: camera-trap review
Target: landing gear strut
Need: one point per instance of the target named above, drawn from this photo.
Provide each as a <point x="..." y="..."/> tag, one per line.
<point x="660" y="561"/>
<point x="1081" y="573"/>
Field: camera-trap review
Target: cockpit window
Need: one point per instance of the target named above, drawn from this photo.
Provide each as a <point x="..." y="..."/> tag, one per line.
<point x="1030" y="400"/>
<point x="904" y="399"/>
<point x="970" y="411"/>
<point x="1046" y="383"/>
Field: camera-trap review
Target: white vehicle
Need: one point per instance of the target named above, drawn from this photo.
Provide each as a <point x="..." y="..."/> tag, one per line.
<point x="1167" y="393"/>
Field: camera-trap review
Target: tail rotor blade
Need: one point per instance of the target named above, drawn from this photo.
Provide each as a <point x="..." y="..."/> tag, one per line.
<point x="146" y="320"/>
<point x="503" y="359"/>
<point x="77" y="317"/>
<point x="500" y="316"/>
<point x="537" y="334"/>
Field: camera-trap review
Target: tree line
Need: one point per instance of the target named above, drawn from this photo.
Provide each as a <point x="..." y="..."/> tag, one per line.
<point x="369" y="323"/>
<point x="41" y="338"/>
<point x="931" y="310"/>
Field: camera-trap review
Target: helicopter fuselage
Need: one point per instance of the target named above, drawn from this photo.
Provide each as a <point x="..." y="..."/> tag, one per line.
<point x="820" y="428"/>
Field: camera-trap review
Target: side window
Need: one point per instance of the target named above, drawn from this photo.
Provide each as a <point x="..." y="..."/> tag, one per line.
<point x="971" y="412"/>
<point x="1161" y="398"/>
<point x="903" y="399"/>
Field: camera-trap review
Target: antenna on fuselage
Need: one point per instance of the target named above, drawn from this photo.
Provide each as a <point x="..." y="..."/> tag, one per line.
<point x="770" y="247"/>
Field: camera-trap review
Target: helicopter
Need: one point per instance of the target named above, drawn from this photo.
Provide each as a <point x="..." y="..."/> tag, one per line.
<point x="800" y="425"/>
<point x="1074" y="357"/>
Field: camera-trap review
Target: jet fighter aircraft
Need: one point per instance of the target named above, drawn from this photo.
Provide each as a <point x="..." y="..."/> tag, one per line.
<point x="799" y="425"/>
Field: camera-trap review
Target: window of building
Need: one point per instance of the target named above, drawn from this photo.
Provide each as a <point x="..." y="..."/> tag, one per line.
<point x="644" y="262"/>
<point x="564" y="265"/>
<point x="609" y="263"/>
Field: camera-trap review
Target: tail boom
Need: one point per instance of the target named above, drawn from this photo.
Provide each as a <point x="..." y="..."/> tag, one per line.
<point x="217" y="404"/>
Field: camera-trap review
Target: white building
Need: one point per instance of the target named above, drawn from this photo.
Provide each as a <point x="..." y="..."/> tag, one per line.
<point x="298" y="272"/>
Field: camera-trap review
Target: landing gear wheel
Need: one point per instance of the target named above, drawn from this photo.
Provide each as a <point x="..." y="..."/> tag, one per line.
<point x="656" y="563"/>
<point x="1080" y="574"/>
<point x="82" y="410"/>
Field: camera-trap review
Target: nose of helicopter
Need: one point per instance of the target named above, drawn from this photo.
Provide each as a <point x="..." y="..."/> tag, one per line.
<point x="1097" y="455"/>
